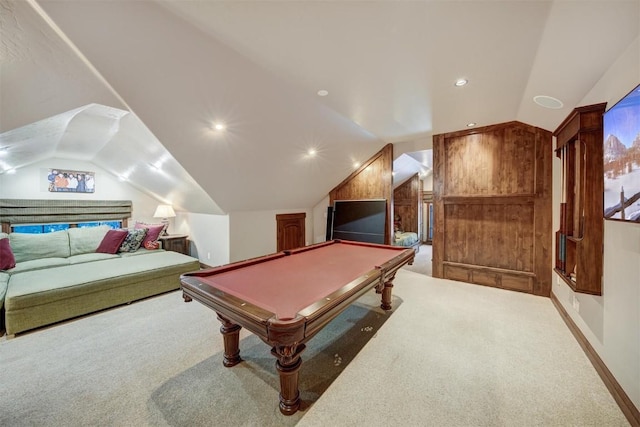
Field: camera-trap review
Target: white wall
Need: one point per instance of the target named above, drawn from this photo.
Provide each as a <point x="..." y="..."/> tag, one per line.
<point x="427" y="183"/>
<point x="31" y="183"/>
<point x="254" y="233"/>
<point x="611" y="322"/>
<point x="208" y="235"/>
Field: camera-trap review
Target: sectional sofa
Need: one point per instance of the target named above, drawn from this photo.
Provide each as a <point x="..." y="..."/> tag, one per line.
<point x="59" y="276"/>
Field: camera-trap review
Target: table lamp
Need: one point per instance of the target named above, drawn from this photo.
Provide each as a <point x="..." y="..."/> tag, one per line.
<point x="165" y="212"/>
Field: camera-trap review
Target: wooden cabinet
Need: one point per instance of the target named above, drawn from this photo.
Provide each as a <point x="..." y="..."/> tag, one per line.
<point x="579" y="241"/>
<point x="492" y="201"/>
<point x="175" y="243"/>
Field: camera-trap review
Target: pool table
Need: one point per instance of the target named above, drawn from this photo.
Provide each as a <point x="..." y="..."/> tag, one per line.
<point x="287" y="297"/>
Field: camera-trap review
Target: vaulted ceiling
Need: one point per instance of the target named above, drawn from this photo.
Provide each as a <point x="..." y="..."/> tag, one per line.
<point x="133" y="84"/>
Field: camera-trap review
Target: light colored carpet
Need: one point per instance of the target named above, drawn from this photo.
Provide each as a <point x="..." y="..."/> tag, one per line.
<point x="450" y="354"/>
<point x="422" y="262"/>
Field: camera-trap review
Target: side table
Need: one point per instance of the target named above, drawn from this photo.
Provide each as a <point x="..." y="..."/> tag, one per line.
<point x="175" y="243"/>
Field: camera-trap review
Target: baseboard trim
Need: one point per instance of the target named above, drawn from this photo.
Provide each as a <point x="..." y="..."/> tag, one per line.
<point x="626" y="405"/>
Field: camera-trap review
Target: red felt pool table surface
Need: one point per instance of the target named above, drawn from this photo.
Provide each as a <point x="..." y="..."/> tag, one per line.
<point x="286" y="285"/>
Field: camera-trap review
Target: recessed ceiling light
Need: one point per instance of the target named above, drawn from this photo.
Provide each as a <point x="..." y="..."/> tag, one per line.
<point x="219" y="126"/>
<point x="461" y="82"/>
<point x="311" y="152"/>
<point x="548" y="102"/>
<point x="356" y="164"/>
<point x="323" y="92"/>
<point x="472" y="124"/>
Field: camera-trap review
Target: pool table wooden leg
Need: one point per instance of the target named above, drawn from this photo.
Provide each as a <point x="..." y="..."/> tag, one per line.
<point x="231" y="336"/>
<point x="386" y="295"/>
<point x="288" y="366"/>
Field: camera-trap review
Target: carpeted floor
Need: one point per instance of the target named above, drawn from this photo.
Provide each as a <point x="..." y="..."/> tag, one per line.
<point x="449" y="354"/>
<point x="422" y="261"/>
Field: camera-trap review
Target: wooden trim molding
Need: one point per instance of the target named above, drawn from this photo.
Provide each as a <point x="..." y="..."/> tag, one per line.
<point x="626" y="405"/>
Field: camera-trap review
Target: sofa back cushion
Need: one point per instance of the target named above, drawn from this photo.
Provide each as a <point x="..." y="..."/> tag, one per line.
<point x="86" y="239"/>
<point x="26" y="246"/>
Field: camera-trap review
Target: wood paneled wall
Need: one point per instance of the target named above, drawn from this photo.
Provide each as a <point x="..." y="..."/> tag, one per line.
<point x="492" y="200"/>
<point x="372" y="180"/>
<point x="407" y="204"/>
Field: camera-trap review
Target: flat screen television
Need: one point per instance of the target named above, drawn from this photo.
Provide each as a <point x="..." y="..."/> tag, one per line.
<point x="359" y="220"/>
<point x="622" y="159"/>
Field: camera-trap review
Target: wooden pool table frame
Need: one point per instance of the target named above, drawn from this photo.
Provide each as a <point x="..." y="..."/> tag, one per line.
<point x="287" y="337"/>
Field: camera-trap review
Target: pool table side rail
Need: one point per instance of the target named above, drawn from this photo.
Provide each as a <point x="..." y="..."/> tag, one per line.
<point x="235" y="265"/>
<point x="340" y="241"/>
<point x="323" y="311"/>
<point x="251" y="317"/>
<point x="390" y="267"/>
<point x="326" y="309"/>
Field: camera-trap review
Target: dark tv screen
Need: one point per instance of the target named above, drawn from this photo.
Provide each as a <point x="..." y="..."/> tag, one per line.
<point x="622" y="159"/>
<point x="359" y="220"/>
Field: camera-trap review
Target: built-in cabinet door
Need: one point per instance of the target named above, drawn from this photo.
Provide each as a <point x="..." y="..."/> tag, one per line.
<point x="291" y="230"/>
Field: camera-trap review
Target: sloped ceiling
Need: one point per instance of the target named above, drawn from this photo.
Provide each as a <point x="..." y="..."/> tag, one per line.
<point x="176" y="67"/>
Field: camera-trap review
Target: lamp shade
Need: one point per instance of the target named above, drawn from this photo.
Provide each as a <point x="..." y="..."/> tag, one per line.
<point x="164" y="211"/>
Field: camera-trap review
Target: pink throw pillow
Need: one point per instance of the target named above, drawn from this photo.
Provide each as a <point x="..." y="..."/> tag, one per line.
<point x="112" y="241"/>
<point x="7" y="260"/>
<point x="153" y="231"/>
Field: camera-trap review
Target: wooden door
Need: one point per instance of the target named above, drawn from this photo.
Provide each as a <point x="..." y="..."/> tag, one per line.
<point x="291" y="231"/>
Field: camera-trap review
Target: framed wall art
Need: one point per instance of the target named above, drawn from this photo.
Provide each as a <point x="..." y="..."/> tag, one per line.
<point x="622" y="159"/>
<point x="70" y="181"/>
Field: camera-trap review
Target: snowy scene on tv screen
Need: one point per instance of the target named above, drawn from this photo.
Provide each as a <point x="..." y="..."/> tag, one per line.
<point x="622" y="159"/>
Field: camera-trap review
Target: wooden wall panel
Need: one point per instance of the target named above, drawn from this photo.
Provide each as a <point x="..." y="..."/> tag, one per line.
<point x="492" y="207"/>
<point x="499" y="223"/>
<point x="483" y="165"/>
<point x="372" y="180"/>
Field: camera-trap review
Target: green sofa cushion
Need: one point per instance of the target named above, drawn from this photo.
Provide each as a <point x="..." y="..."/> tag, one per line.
<point x="78" y="259"/>
<point x="39" y="287"/>
<point x="86" y="239"/>
<point x="140" y="251"/>
<point x="37" y="264"/>
<point x="26" y="246"/>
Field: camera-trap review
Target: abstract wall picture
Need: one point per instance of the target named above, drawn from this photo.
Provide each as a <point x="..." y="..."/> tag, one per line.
<point x="71" y="181"/>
